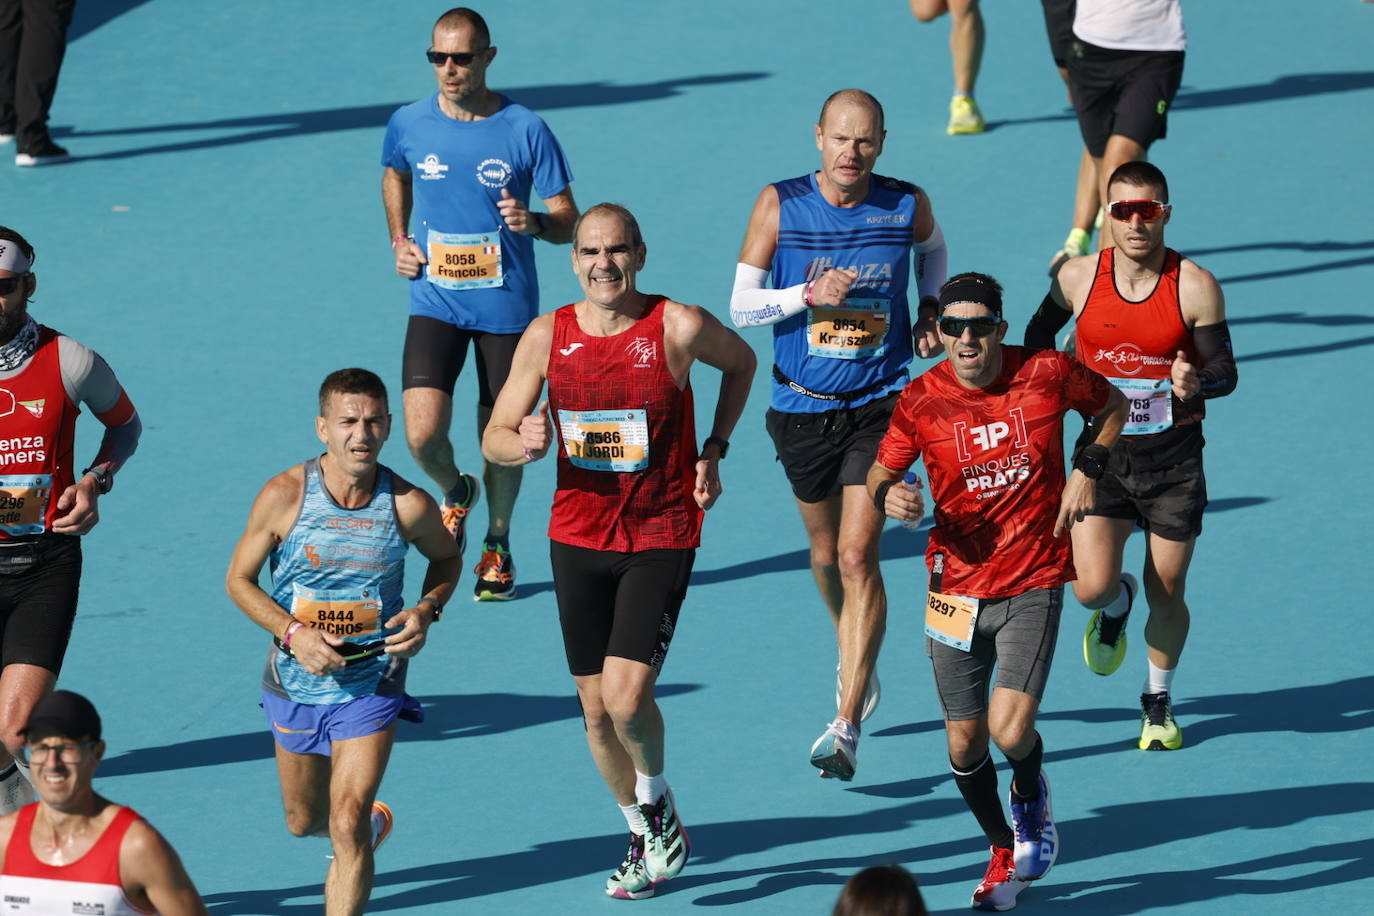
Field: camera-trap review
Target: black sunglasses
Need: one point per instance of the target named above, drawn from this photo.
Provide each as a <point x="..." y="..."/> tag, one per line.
<point x="981" y="326"/>
<point x="462" y="59"/>
<point x="10" y="284"/>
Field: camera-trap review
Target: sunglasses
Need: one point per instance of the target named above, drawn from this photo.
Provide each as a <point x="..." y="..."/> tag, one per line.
<point x="10" y="284"/>
<point x="981" y="326"/>
<point x="462" y="59"/>
<point x="1147" y="210"/>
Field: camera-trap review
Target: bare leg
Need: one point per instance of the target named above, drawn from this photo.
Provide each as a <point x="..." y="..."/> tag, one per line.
<point x="428" y="413"/>
<point x="304" y="782"/>
<point x="822" y="523"/>
<point x="358" y="765"/>
<point x="1097" y="546"/>
<point x="502" y="484"/>
<point x="608" y="753"/>
<point x="965" y="43"/>
<point x="21" y="687"/>
<point x="863" y="619"/>
<point x="1166" y="573"/>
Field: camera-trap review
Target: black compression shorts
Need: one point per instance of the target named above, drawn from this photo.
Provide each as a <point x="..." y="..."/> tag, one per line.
<point x="435" y="352"/>
<point x="38" y="605"/>
<point x="621" y="604"/>
<point x="822" y="452"/>
<point x="1122" y="92"/>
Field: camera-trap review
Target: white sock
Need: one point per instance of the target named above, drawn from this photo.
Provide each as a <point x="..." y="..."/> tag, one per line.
<point x="649" y="789"/>
<point x="958" y="94"/>
<point x="1160" y="680"/>
<point x="1120" y="604"/>
<point x="634" y="816"/>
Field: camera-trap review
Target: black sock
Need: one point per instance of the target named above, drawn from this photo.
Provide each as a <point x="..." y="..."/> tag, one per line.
<point x="1026" y="772"/>
<point x="497" y="540"/>
<point x="979" y="788"/>
<point x="460" y="491"/>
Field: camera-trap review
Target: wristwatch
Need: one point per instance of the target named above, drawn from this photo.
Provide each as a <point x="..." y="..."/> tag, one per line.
<point x="542" y="220"/>
<point x="435" y="607"/>
<point x="719" y="443"/>
<point x="104" y="480"/>
<point x="1092" y="461"/>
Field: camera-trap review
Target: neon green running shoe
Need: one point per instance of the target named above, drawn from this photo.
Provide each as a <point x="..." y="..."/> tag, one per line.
<point x="1104" y="642"/>
<point x="1158" y="730"/>
<point x="964" y="116"/>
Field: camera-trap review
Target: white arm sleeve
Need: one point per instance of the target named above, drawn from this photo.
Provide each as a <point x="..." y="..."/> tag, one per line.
<point x="751" y="305"/>
<point x="932" y="264"/>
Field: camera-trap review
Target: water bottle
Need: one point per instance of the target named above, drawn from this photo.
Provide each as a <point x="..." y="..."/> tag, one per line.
<point x="910" y="480"/>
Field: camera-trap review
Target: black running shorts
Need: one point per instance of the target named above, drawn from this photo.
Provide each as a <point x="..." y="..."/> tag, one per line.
<point x="1122" y="92"/>
<point x="435" y="352"/>
<point x="822" y="452"/>
<point x="621" y="604"/>
<point x="37" y="606"/>
<point x="1016" y="635"/>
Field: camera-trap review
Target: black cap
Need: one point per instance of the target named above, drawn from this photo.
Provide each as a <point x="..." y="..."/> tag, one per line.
<point x="64" y="713"/>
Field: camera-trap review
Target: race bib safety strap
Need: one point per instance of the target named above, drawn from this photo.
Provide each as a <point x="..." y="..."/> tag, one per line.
<point x="1151" y="404"/>
<point x="23" y="503"/>
<point x="464" y="260"/>
<point x="606" y="440"/>
<point x="855" y="330"/>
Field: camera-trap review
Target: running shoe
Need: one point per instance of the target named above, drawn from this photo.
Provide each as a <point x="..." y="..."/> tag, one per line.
<point x="382" y="822"/>
<point x="964" y="116"/>
<point x="631" y="880"/>
<point x="872" y="695"/>
<point x="1158" y="730"/>
<point x="6" y="138"/>
<point x="455" y="514"/>
<point x="45" y="153"/>
<point x="834" y="752"/>
<point x="666" y="847"/>
<point x="495" y="575"/>
<point x="1104" y="642"/>
<point x="15" y="790"/>
<point x="1078" y="243"/>
<point x="1037" y="840"/>
<point x="1000" y="886"/>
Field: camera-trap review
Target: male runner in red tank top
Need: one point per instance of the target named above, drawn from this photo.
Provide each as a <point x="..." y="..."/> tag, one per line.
<point x="73" y="851"/>
<point x="1154" y="323"/>
<point x="632" y="487"/>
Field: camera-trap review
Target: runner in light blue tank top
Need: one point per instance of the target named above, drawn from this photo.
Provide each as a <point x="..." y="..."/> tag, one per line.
<point x="341" y="569"/>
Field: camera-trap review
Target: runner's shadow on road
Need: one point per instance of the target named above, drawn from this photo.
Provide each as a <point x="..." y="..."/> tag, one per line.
<point x="329" y="120"/>
<point x="897" y="543"/>
<point x="446" y="716"/>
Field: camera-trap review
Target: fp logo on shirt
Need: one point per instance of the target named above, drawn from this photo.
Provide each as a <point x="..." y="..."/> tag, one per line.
<point x="432" y="168"/>
<point x="494" y="173"/>
<point x="990" y="435"/>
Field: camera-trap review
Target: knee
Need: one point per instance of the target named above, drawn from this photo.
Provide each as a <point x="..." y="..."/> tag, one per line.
<point x="858" y="564"/>
<point x="302" y="821"/>
<point x="1095" y="589"/>
<point x="967" y="746"/>
<point x="349" y="824"/>
<point x="1165" y="596"/>
<point x="927" y="10"/>
<point x="627" y="706"/>
<point x="824" y="557"/>
<point x="1013" y="736"/>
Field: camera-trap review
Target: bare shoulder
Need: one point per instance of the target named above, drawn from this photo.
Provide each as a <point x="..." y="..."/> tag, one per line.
<point x="7" y="823"/>
<point x="282" y="494"/>
<point x="1195" y="278"/>
<point x="1200" y="294"/>
<point x="682" y="322"/>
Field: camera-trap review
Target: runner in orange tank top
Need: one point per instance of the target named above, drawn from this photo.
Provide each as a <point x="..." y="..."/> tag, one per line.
<point x="1154" y="323"/>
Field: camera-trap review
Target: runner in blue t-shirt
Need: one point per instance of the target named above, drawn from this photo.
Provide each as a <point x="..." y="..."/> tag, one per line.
<point x="459" y="169"/>
<point x="839" y="243"/>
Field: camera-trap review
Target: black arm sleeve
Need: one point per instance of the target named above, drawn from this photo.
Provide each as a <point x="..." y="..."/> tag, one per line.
<point x="1045" y="323"/>
<point x="1218" y="372"/>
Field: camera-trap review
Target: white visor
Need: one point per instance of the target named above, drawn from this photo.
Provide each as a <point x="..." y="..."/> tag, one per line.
<point x="12" y="258"/>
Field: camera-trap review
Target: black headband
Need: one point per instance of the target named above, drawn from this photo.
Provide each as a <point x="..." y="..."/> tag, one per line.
<point x="971" y="289"/>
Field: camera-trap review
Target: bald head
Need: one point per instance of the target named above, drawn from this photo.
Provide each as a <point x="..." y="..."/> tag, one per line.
<point x="853" y="97"/>
<point x="459" y="18"/>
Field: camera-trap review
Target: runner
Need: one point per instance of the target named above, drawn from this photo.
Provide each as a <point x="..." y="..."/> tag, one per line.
<point x="632" y="488"/>
<point x="336" y="530"/>
<point x="459" y="169"/>
<point x="966" y="33"/>
<point x="74" y="851"/>
<point x="990" y="425"/>
<point x="45" y="505"/>
<point x="838" y="243"/>
<point x="1154" y="322"/>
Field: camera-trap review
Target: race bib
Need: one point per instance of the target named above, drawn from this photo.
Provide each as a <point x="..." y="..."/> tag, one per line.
<point x="23" y="502"/>
<point x="341" y="611"/>
<point x="1151" y="405"/>
<point x="852" y="331"/>
<point x="950" y="619"/>
<point x="606" y="440"/>
<point x="464" y="261"/>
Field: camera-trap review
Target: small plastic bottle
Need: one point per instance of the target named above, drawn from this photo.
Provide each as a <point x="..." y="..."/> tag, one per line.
<point x="910" y="480"/>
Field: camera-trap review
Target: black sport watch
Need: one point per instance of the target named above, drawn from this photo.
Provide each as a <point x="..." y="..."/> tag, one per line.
<point x="1092" y="461"/>
<point x="104" y="480"/>
<point x="719" y="443"/>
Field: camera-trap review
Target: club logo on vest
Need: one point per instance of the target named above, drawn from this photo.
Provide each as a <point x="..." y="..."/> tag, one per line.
<point x="494" y="173"/>
<point x="644" y="351"/>
<point x="1128" y="359"/>
<point x="431" y="168"/>
<point x="34" y="407"/>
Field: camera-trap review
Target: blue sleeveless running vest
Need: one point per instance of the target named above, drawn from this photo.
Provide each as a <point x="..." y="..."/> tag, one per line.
<point x="340" y="570"/>
<point x="867" y="344"/>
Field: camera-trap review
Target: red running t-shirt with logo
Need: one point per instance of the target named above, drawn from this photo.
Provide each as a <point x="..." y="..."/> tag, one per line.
<point x="995" y="460"/>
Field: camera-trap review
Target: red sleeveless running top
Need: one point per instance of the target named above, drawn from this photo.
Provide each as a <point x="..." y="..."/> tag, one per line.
<point x="37" y="432"/>
<point x="91" y="881"/>
<point x="627" y="446"/>
<point x="1126" y="340"/>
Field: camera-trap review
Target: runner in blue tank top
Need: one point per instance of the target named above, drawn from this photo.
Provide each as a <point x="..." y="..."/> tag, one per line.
<point x="336" y="530"/>
<point x="459" y="170"/>
<point x="838" y="244"/>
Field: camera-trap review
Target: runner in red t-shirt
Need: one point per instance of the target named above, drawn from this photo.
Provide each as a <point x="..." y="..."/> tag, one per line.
<point x="632" y="487"/>
<point x="1154" y="323"/>
<point x="989" y="425"/>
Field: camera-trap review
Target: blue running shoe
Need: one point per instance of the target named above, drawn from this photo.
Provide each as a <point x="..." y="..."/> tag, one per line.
<point x="1037" y="840"/>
